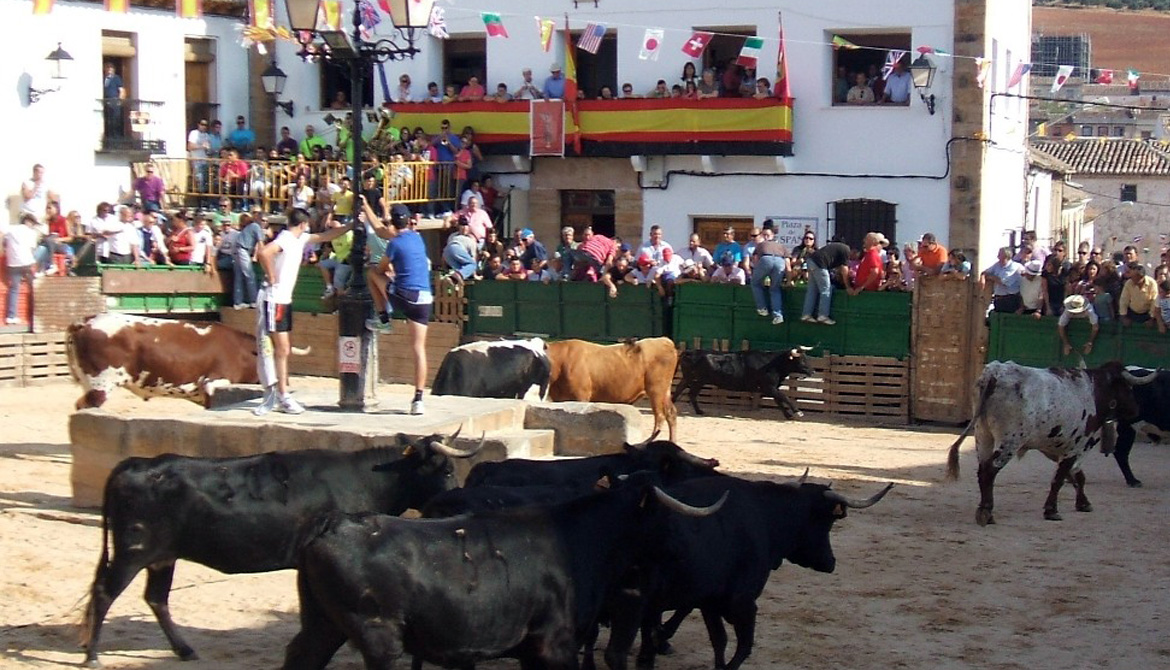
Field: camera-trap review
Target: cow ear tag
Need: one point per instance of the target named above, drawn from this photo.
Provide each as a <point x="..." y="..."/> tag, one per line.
<point x="602" y="483"/>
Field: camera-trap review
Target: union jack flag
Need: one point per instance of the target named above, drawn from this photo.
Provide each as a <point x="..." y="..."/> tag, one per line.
<point x="370" y="18"/>
<point x="892" y="58"/>
<point x="591" y="39"/>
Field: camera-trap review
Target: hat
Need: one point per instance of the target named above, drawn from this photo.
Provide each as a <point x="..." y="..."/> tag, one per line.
<point x="526" y="233"/>
<point x="624" y="248"/>
<point x="1033" y="267"/>
<point x="881" y="239"/>
<point x="1075" y="304"/>
<point x="645" y="260"/>
<point x="555" y="67"/>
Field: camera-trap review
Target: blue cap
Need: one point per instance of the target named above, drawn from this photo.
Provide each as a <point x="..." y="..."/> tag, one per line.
<point x="624" y="248"/>
<point x="527" y="232"/>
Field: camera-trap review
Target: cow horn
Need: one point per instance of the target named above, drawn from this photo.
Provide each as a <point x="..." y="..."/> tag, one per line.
<point x="1134" y="380"/>
<point x="301" y="351"/>
<point x="803" y="477"/>
<point x="697" y="461"/>
<point x="804" y="348"/>
<point x="689" y="510"/>
<point x="858" y="504"/>
<point x="452" y="452"/>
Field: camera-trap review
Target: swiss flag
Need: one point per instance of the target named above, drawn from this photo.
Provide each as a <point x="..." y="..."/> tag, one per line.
<point x="694" y="47"/>
<point x="1105" y="77"/>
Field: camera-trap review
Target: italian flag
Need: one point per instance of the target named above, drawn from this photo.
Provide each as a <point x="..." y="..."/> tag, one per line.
<point x="493" y="24"/>
<point x="749" y="55"/>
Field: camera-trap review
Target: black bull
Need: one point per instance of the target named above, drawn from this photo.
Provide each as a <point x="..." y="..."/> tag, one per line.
<point x="243" y="515"/>
<point x="753" y="371"/>
<point x="1151" y="390"/>
<point x="527" y="583"/>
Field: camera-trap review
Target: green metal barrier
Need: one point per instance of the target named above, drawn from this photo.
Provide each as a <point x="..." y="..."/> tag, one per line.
<point x="869" y="324"/>
<point x="1030" y="341"/>
<point x="155" y="289"/>
<point x="562" y="310"/>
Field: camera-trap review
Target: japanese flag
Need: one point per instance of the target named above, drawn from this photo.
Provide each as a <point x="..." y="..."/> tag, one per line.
<point x="1062" y="76"/>
<point x="651" y="44"/>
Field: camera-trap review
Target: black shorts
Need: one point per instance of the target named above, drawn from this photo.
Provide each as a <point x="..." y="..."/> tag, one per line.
<point x="1138" y="317"/>
<point x="412" y="311"/>
<point x="279" y="317"/>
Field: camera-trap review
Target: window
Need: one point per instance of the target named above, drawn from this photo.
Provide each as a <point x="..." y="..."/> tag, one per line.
<point x="724" y="47"/>
<point x="466" y="57"/>
<point x="1102" y="131"/>
<point x="588" y="208"/>
<point x="710" y="229"/>
<point x="1129" y="192"/>
<point x="1119" y="131"/>
<point x="848" y="64"/>
<point x="852" y="219"/>
<point x="1086" y="131"/>
<point x="600" y="69"/>
<point x="336" y="86"/>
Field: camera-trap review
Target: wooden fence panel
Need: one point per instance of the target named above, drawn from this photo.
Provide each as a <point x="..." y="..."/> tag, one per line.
<point x="28" y="359"/>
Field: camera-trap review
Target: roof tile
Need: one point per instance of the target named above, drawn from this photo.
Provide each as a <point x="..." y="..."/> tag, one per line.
<point x="1108" y="156"/>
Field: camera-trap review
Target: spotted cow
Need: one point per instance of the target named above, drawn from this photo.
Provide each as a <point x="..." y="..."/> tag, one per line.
<point x="1059" y="412"/>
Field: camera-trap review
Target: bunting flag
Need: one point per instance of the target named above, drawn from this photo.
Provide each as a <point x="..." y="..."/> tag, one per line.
<point x="1018" y="76"/>
<point x="1104" y="77"/>
<point x="591" y="39"/>
<point x="749" y="55"/>
<point x="924" y="50"/>
<point x="695" y="46"/>
<point x="547" y="27"/>
<point x="1131" y="78"/>
<point x="42" y="7"/>
<point x="329" y="15"/>
<point x="842" y="43"/>
<point x="982" y="68"/>
<point x="1062" y="76"/>
<point x="369" y="21"/>
<point x="892" y="58"/>
<point x="780" y="88"/>
<point x="571" y="87"/>
<point x="118" y="6"/>
<point x="260" y="13"/>
<point x="493" y="24"/>
<point x="189" y="9"/>
<point x="1042" y="130"/>
<point x="651" y="44"/>
<point x="437" y="23"/>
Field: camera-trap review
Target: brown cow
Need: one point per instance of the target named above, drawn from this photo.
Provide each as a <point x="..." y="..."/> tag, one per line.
<point x="619" y="373"/>
<point x="156" y="357"/>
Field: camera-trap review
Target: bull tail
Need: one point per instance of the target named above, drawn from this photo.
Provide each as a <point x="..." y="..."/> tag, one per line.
<point x="103" y="565"/>
<point x="953" y="455"/>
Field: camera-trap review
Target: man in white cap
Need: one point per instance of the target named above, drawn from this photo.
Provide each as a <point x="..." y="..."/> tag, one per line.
<point x="1034" y="290"/>
<point x="554" y="86"/>
<point x="527" y="89"/>
<point x="1076" y="307"/>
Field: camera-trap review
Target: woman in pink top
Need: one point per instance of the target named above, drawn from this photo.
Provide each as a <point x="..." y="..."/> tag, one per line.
<point x="473" y="91"/>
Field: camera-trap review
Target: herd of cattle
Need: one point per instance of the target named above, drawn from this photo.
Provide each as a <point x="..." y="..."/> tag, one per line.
<point x="528" y="558"/>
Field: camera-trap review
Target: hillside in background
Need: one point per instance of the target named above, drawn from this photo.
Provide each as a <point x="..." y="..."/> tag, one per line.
<point x="1121" y="40"/>
<point x="1156" y="5"/>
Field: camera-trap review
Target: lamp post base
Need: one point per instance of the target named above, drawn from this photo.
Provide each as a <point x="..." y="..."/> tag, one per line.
<point x="354" y="345"/>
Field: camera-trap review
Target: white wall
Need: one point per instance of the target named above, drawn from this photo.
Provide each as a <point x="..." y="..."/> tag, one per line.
<point x="1116" y="224"/>
<point x="63" y="129"/>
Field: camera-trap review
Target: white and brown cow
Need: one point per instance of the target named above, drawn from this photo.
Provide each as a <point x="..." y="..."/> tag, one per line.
<point x="157" y="357"/>
<point x="1060" y="412"/>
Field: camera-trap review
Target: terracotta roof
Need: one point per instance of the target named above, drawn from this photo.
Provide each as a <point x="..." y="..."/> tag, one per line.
<point x="1108" y="156"/>
<point x="1048" y="162"/>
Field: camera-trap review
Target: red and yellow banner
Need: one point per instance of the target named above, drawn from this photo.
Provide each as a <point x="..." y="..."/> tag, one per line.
<point x="260" y="13"/>
<point x="189" y="9"/>
<point x="42" y="7"/>
<point x="118" y="6"/>
<point x="547" y="137"/>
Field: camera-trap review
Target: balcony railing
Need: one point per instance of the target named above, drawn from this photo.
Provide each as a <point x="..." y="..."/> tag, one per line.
<point x="128" y="126"/>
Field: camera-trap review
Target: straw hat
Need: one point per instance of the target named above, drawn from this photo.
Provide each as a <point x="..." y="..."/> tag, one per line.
<point x="1075" y="304"/>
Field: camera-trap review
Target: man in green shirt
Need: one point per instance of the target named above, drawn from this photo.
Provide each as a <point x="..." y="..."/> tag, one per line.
<point x="312" y="139"/>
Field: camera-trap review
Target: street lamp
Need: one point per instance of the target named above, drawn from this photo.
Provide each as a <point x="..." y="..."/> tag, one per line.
<point x="273" y="80"/>
<point x="408" y="17"/>
<point x="922" y="73"/>
<point x="59" y="65"/>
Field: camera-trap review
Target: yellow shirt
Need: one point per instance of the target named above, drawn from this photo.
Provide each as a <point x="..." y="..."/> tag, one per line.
<point x="1137" y="298"/>
<point x="343" y="203"/>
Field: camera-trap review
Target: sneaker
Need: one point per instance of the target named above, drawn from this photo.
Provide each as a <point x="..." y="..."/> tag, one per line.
<point x="289" y="405"/>
<point x="329" y="291"/>
<point x="240" y="306"/>
<point x="267" y="404"/>
<point x="778" y="319"/>
<point x="416" y="407"/>
<point x="376" y="326"/>
<point x="807" y="318"/>
<point x="762" y="312"/>
<point x="826" y="320"/>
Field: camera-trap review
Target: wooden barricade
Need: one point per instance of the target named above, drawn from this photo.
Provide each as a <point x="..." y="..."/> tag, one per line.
<point x="28" y="359"/>
<point x="450" y="304"/>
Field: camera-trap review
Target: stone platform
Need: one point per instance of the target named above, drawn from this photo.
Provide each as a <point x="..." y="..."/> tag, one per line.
<point x="513" y="429"/>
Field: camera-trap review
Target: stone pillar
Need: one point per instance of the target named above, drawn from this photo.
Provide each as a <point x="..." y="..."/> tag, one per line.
<point x="968" y="121"/>
<point x="260" y="104"/>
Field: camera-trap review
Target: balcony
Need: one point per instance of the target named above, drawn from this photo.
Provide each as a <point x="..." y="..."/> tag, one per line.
<point x="620" y="128"/>
<point x="129" y="127"/>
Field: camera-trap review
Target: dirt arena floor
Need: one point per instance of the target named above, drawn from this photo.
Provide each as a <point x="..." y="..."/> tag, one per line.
<point x="918" y="584"/>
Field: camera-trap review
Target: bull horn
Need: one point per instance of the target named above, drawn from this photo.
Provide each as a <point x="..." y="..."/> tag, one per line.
<point x="858" y="504"/>
<point x="455" y="436"/>
<point x="451" y="452"/>
<point x="803" y="477"/>
<point x="689" y="510"/>
<point x="804" y="348"/>
<point x="301" y="351"/>
<point x="1134" y="380"/>
<point x="697" y="461"/>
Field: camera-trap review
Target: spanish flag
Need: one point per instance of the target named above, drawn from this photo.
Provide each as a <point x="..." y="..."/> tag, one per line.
<point x="260" y="11"/>
<point x="574" y="129"/>
<point x="118" y="6"/>
<point x="189" y="9"/>
<point x="42" y="7"/>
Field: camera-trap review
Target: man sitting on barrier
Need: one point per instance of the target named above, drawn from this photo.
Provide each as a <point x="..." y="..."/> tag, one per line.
<point x="592" y="259"/>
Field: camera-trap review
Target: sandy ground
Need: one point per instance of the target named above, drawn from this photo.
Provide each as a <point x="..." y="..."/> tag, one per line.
<point x="918" y="584"/>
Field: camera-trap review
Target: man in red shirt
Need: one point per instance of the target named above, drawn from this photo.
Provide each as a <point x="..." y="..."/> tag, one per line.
<point x="592" y="260"/>
<point x="869" y="273"/>
<point x="233" y="173"/>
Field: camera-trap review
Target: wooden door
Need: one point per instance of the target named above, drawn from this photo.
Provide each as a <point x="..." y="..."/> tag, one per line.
<point x="198" y="92"/>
